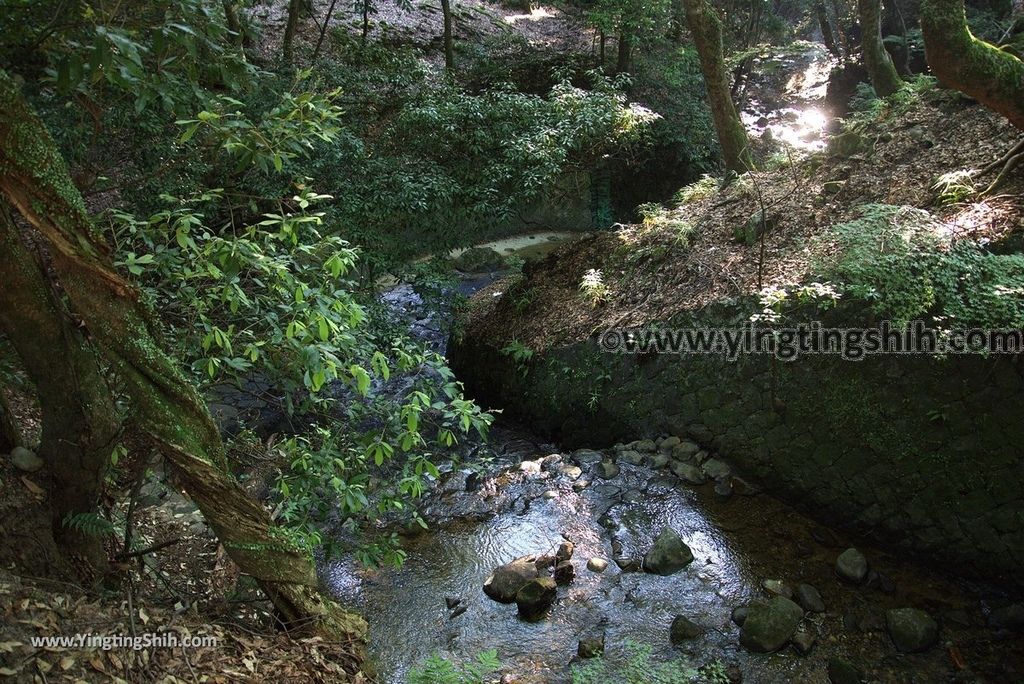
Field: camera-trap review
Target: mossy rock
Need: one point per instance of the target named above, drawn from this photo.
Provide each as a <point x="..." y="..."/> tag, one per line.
<point x="479" y="260"/>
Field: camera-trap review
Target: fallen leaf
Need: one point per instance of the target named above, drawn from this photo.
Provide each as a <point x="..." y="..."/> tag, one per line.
<point x="32" y="487"/>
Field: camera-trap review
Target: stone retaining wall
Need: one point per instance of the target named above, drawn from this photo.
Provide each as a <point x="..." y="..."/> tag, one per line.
<point x="918" y="452"/>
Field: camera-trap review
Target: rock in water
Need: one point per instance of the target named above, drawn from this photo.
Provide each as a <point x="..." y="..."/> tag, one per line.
<point x="25" y="460"/>
<point x="535" y="597"/>
<point x="607" y="470"/>
<point x="505" y="582"/>
<point x="739" y="615"/>
<point x="843" y="672"/>
<point x="809" y="598"/>
<point x="803" y="642"/>
<point x="690" y="474"/>
<point x="668" y="555"/>
<point x="852" y="566"/>
<point x="683" y="629"/>
<point x="564" y="573"/>
<point x="912" y="630"/>
<point x="565" y="551"/>
<point x="452" y="601"/>
<point x="770" y="624"/>
<point x="597" y="564"/>
<point x="777" y="588"/>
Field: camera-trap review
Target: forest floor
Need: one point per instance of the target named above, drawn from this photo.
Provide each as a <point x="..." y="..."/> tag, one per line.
<point x="687" y="256"/>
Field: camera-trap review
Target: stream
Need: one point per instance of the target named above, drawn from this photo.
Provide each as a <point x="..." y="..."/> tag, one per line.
<point x="527" y="496"/>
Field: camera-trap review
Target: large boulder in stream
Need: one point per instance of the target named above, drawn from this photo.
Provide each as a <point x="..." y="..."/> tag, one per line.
<point x="669" y="555"/>
<point x="770" y="625"/>
<point x="535" y="597"/>
<point x="912" y="630"/>
<point x="505" y="582"/>
<point x="479" y="260"/>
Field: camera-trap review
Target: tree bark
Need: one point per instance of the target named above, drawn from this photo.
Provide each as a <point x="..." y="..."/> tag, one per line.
<point x="706" y="28"/>
<point x="978" y="69"/>
<point x="79" y="416"/>
<point x="294" y="9"/>
<point x="827" y="36"/>
<point x="623" y="58"/>
<point x="449" y="38"/>
<point x="10" y="435"/>
<point x="166" y="406"/>
<point x="884" y="77"/>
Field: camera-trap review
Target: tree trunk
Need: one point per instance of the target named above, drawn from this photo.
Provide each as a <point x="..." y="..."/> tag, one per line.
<point x="10" y="435"/>
<point x="327" y="25"/>
<point x="622" y="60"/>
<point x="449" y="38"/>
<point x="827" y="36"/>
<point x="978" y="69"/>
<point x="884" y="77"/>
<point x="602" y="50"/>
<point x="79" y="418"/>
<point x="294" y="9"/>
<point x="166" y="406"/>
<point x="706" y="28"/>
<point x="232" y="22"/>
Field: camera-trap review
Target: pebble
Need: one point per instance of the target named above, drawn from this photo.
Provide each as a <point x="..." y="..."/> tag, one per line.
<point x="597" y="564"/>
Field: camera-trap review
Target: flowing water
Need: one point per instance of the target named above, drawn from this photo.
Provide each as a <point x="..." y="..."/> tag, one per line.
<point x="486" y="516"/>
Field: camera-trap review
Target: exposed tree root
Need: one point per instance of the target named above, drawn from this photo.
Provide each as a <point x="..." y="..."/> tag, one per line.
<point x="1006" y="164"/>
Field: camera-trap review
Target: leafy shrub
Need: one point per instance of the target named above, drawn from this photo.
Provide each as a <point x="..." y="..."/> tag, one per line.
<point x="638" y="668"/>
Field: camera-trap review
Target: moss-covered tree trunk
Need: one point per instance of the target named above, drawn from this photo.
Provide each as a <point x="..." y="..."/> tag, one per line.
<point x="166" y="406"/>
<point x="884" y="77"/>
<point x="706" y="28"/>
<point x="79" y="418"/>
<point x="449" y="36"/>
<point x="992" y="76"/>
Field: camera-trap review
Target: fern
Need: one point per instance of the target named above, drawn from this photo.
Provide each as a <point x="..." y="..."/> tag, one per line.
<point x="638" y="668"/>
<point x="90" y="523"/>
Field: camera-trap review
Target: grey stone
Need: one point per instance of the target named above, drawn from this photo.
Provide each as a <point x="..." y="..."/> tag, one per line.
<point x="770" y="624"/>
<point x="587" y="457"/>
<point x="739" y="615"/>
<point x="25" y="460"/>
<point x="685" y="450"/>
<point x="842" y="671"/>
<point x="644" y="445"/>
<point x="668" y="555"/>
<point x="716" y="469"/>
<point x="724" y="489"/>
<point x="631" y="457"/>
<point x="912" y="630"/>
<point x="809" y="598"/>
<point x="669" y="443"/>
<point x="530" y="467"/>
<point x="535" y="597"/>
<point x="452" y="601"/>
<point x="570" y="471"/>
<point x="596" y="564"/>
<point x="506" y="580"/>
<point x="658" y="460"/>
<point x="606" y="470"/>
<point x="683" y="629"/>
<point x="627" y="564"/>
<point x="690" y="474"/>
<point x="550" y="461"/>
<point x="777" y="588"/>
<point x="852" y="566"/>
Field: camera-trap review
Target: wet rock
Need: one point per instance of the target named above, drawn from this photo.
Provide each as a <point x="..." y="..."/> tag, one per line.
<point x="597" y="564"/>
<point x="570" y="471"/>
<point x="777" y="588"/>
<point x="473" y="482"/>
<point x="1008" y="617"/>
<point x="631" y="457"/>
<point x="912" y="630"/>
<point x="803" y="642"/>
<point x="632" y="496"/>
<point x="658" y="460"/>
<point x="458" y="611"/>
<point x="591" y="647"/>
<point x="852" y="566"/>
<point x="739" y="615"/>
<point x="564" y="573"/>
<point x="550" y="461"/>
<point x="505" y="582"/>
<point x="544" y="562"/>
<point x="627" y="563"/>
<point x="607" y="470"/>
<point x="551" y="494"/>
<point x="587" y="457"/>
<point x="535" y="597"/>
<point x="452" y="601"/>
<point x="716" y="469"/>
<point x="580" y="485"/>
<point x="644" y="445"/>
<point x="683" y="629"/>
<point x="25" y="460"/>
<point x="842" y="671"/>
<point x="565" y="551"/>
<point x="669" y="443"/>
<point x="668" y="555"/>
<point x="723" y="489"/>
<point x="530" y="467"/>
<point x="809" y="599"/>
<point x="770" y="624"/>
<point x="701" y="456"/>
<point x="690" y="474"/>
<point x="685" y="450"/>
